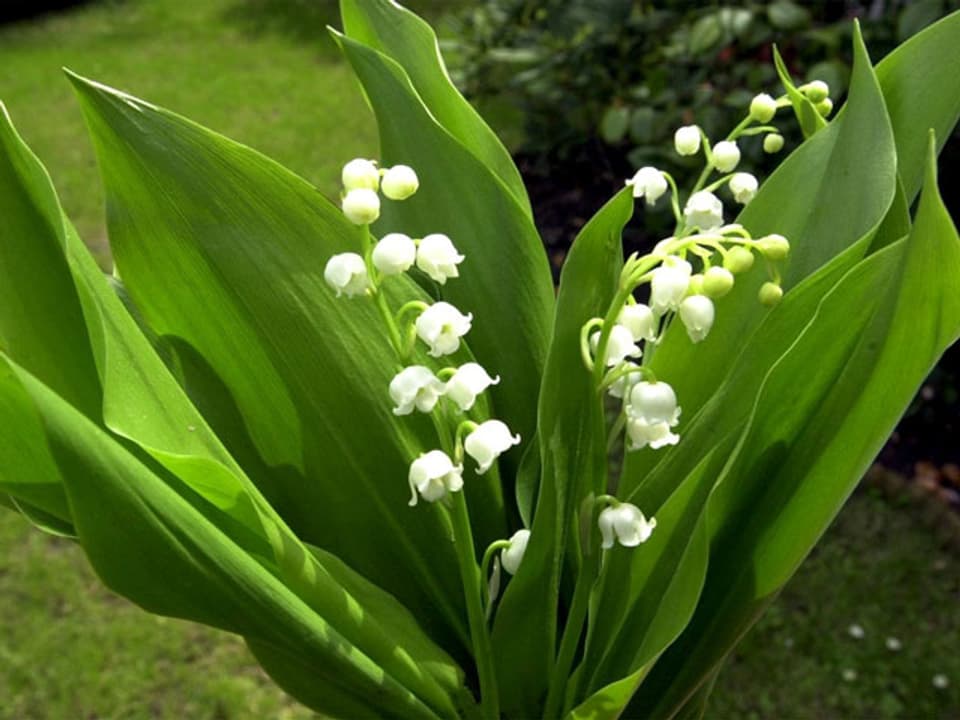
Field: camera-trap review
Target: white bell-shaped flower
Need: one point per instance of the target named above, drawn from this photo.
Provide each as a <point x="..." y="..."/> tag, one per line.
<point x="686" y="140"/>
<point x="441" y="326"/>
<point x="668" y="284"/>
<point x="726" y="155"/>
<point x="623" y="385"/>
<point x="347" y="274"/>
<point x="512" y="556"/>
<point x="415" y="387"/>
<point x="640" y="320"/>
<point x="641" y="434"/>
<point x="394" y="254"/>
<point x="654" y="402"/>
<point x="361" y="206"/>
<point x="620" y="345"/>
<point x="469" y="380"/>
<point x="697" y="314"/>
<point x="649" y="183"/>
<point x="360" y="173"/>
<point x="434" y="475"/>
<point x="704" y="210"/>
<point x="438" y="258"/>
<point x="625" y="524"/>
<point x="399" y="182"/>
<point x="743" y="186"/>
<point x="487" y="442"/>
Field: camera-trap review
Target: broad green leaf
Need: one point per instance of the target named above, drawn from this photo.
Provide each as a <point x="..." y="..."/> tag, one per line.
<point x="224" y="250"/>
<point x="402" y="36"/>
<point x="609" y="702"/>
<point x="921" y="87"/>
<point x="505" y="280"/>
<point x="875" y="338"/>
<point x="573" y="451"/>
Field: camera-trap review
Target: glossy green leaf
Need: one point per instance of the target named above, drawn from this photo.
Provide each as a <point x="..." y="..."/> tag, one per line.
<point x="410" y="41"/>
<point x="505" y="280"/>
<point x="811" y="121"/>
<point x="573" y="452"/>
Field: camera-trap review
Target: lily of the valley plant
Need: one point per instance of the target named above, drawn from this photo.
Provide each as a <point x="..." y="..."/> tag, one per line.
<point x="370" y="438"/>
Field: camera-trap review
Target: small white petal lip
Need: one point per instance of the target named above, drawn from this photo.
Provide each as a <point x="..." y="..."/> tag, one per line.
<point x="361" y="206"/>
<point x="399" y="182"/>
<point x="487" y="442"/>
<point x="360" y="173"/>
<point x="441" y="326"/>
<point x="620" y="345"/>
<point x="686" y="140"/>
<point x="743" y="186"/>
<point x="512" y="556"/>
<point x="415" y="387"/>
<point x="697" y="313"/>
<point x="347" y="274"/>
<point x="668" y="284"/>
<point x="433" y="475"/>
<point x="438" y="258"/>
<point x="726" y="155"/>
<point x="654" y="402"/>
<point x="704" y="210"/>
<point x="469" y="380"/>
<point x="624" y="523"/>
<point x="394" y="254"/>
<point x="649" y="183"/>
<point x="640" y="320"/>
<point x="655" y="435"/>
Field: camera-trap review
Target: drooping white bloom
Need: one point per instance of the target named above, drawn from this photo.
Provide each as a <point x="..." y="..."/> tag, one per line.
<point x="434" y="475"/>
<point x="486" y="443"/>
<point x="467" y="383"/>
<point x="438" y="258"/>
<point x="360" y="173"/>
<point x="686" y="140"/>
<point x="347" y="274"/>
<point x="415" y="387"/>
<point x="441" y="326"/>
<point x="399" y="182"/>
<point x="697" y="314"/>
<point x="394" y="254"/>
<point x="743" y="186"/>
<point x="704" y="210"/>
<point x="512" y="556"/>
<point x="651" y="412"/>
<point x="650" y="183"/>
<point x="361" y="206"/>
<point x="625" y="524"/>
<point x="763" y="108"/>
<point x="640" y="320"/>
<point x="620" y="345"/>
<point x="668" y="284"/>
<point x="726" y="155"/>
<point x="622" y="386"/>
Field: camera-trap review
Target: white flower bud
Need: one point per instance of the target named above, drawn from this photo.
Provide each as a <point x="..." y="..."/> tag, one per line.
<point x="511" y="557"/>
<point x="654" y="402"/>
<point x="347" y="274"/>
<point x="415" y="386"/>
<point x="399" y="182"/>
<point x="717" y="282"/>
<point x="438" y="258"/>
<point x="824" y="107"/>
<point x="625" y="523"/>
<point x="467" y="383"/>
<point x="773" y="143"/>
<point x="622" y="386"/>
<point x="434" y="475"/>
<point x="485" y="444"/>
<point x="726" y="155"/>
<point x="697" y="314"/>
<point x="738" y="259"/>
<point x="640" y="320"/>
<point x="763" y="108"/>
<point x="695" y="286"/>
<point x="668" y="284"/>
<point x="686" y="140"/>
<point x="770" y="294"/>
<point x="704" y="210"/>
<point x="816" y="91"/>
<point x="650" y="183"/>
<point x="361" y="206"/>
<point x="774" y="247"/>
<point x="743" y="186"/>
<point x="441" y="326"/>
<point x="620" y="345"/>
<point x="394" y="254"/>
<point x="359" y="174"/>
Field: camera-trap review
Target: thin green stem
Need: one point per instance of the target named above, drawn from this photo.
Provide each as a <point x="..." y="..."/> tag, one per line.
<point x="366" y="243"/>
